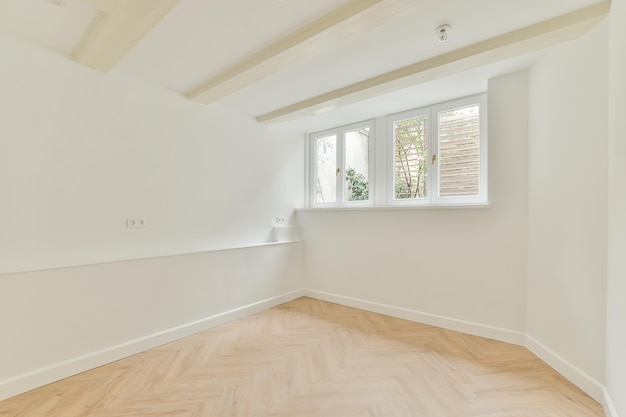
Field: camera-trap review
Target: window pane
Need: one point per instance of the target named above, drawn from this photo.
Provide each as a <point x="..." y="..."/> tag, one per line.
<point x="459" y="152"/>
<point x="411" y="154"/>
<point x="357" y="165"/>
<point x="325" y="169"/>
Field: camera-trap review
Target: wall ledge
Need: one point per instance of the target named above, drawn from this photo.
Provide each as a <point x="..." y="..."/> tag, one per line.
<point x="170" y="255"/>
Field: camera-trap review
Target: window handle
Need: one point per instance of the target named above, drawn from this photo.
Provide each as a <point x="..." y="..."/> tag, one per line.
<point x="434" y="158"/>
<point x="338" y="170"/>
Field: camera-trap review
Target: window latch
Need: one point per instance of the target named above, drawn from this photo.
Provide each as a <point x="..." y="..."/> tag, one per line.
<point x="434" y="158"/>
<point x="338" y="170"/>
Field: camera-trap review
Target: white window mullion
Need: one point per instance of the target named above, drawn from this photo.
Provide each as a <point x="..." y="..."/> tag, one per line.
<point x="341" y="169"/>
<point x="484" y="154"/>
<point x="309" y="157"/>
<point x="433" y="157"/>
<point x="371" y="162"/>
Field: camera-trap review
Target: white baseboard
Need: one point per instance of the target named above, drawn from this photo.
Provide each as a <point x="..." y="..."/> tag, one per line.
<point x="52" y="373"/>
<point x="476" y="329"/>
<point x="579" y="378"/>
<point x="607" y="404"/>
<point x="576" y="376"/>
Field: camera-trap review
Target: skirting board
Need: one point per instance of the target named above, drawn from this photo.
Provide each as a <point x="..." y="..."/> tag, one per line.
<point x="576" y="376"/>
<point x="52" y="373"/>
<point x="476" y="329"/>
<point x="583" y="381"/>
<point x="607" y="404"/>
<point x="44" y="376"/>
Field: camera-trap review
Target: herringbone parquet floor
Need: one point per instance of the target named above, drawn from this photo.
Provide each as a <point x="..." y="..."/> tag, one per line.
<point x="309" y="358"/>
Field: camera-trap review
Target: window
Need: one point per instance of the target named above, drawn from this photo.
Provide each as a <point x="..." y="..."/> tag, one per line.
<point x="459" y="151"/>
<point x="439" y="154"/>
<point x="436" y="155"/>
<point x="341" y="166"/>
<point x="325" y="169"/>
<point x="410" y="157"/>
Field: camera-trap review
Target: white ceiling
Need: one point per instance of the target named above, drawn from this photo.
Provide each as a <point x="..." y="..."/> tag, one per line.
<point x="200" y="38"/>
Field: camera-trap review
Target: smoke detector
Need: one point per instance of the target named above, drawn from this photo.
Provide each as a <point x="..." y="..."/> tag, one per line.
<point x="442" y="32"/>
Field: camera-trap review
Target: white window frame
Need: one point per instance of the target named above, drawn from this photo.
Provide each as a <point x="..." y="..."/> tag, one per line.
<point x="382" y="173"/>
<point x="481" y="197"/>
<point x="432" y="113"/>
<point x="313" y="159"/>
<point x="391" y="152"/>
<point x="341" y="162"/>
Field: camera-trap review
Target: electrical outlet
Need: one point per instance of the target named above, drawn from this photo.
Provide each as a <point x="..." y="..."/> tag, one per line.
<point x="281" y="220"/>
<point x="134" y="222"/>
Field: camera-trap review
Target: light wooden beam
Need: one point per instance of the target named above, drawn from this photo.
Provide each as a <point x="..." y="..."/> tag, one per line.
<point x="106" y="6"/>
<point x="356" y="16"/>
<point x="117" y="28"/>
<point x="529" y="39"/>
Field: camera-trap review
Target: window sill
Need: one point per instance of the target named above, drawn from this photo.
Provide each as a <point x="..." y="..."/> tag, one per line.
<point x="398" y="208"/>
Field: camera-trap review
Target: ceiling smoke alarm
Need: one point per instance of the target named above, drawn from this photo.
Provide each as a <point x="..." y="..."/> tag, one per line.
<point x="442" y="32"/>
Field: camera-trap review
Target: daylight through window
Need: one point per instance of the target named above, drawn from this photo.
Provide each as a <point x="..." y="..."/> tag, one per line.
<point x="436" y="155"/>
<point x="341" y="166"/>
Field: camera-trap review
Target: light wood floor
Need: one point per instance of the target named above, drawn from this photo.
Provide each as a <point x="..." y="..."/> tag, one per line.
<point x="309" y="358"/>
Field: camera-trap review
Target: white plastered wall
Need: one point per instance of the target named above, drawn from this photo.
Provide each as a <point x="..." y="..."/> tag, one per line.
<point x="462" y="264"/>
<point x="616" y="286"/>
<point x="567" y="227"/>
<point x="80" y="151"/>
<point x="59" y="322"/>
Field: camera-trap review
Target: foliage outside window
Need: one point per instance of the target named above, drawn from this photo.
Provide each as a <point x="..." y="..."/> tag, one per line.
<point x="411" y="151"/>
<point x="436" y="155"/>
<point x="358" y="186"/>
<point x="341" y="166"/>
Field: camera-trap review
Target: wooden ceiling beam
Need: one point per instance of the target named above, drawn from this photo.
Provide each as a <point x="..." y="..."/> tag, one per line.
<point x="354" y="17"/>
<point x="106" y="6"/>
<point x="117" y="28"/>
<point x="529" y="39"/>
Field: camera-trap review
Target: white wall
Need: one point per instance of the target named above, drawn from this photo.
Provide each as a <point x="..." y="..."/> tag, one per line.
<point x="59" y="322"/>
<point x="616" y="300"/>
<point x="80" y="151"/>
<point x="465" y="264"/>
<point x="568" y="91"/>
